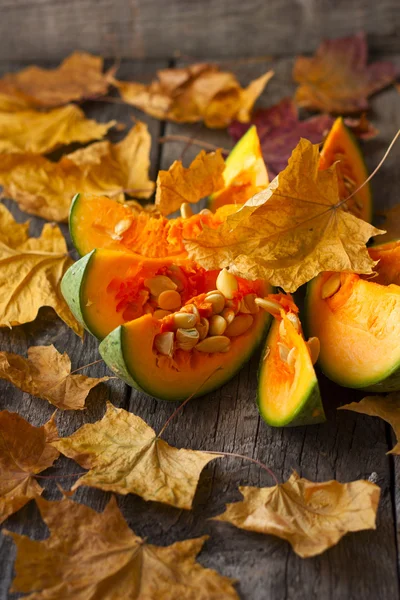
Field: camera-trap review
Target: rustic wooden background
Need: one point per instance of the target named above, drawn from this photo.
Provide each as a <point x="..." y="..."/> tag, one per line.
<point x="349" y="446"/>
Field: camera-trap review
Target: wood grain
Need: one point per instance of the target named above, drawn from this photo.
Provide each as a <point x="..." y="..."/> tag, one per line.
<point x="347" y="447"/>
<point x="33" y="30"/>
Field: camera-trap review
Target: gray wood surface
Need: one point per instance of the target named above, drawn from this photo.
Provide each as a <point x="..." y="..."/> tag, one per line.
<point x="349" y="446"/>
<point x="50" y="29"/>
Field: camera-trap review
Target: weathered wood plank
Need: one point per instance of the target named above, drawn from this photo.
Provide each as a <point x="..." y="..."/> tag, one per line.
<point x="148" y="28"/>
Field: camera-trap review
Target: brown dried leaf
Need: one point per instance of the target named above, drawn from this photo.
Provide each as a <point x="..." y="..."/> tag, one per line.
<point x="291" y="231"/>
<point x="384" y="407"/>
<point x="45" y="189"/>
<point x="337" y="78"/>
<point x="24" y="452"/>
<point x="31" y="270"/>
<point x="199" y="92"/>
<point x="41" y="132"/>
<point x="96" y="555"/>
<point x="312" y="517"/>
<point x="79" y="76"/>
<point x="125" y="455"/>
<point x="47" y="374"/>
<point x="178" y="185"/>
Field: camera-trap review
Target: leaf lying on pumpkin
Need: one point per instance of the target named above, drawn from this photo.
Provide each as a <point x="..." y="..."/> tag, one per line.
<point x="31" y="270"/>
<point x="199" y="92"/>
<point x="24" y="452"/>
<point x="289" y="232"/>
<point x="124" y="455"/>
<point x="41" y="132"/>
<point x="96" y="555"/>
<point x="337" y="78"/>
<point x="47" y="374"/>
<point x="312" y="517"/>
<point x="80" y="76"/>
<point x="391" y="224"/>
<point x="45" y="188"/>
<point x="178" y="185"/>
<point x="384" y="407"/>
<point x="280" y="130"/>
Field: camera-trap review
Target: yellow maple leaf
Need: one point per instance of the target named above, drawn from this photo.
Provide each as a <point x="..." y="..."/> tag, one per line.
<point x="47" y="374"/>
<point x="384" y="407"/>
<point x="291" y="231"/>
<point x="41" y="132"/>
<point x="312" y="517"/>
<point x="25" y="451"/>
<point x="199" y="92"/>
<point x="78" y="77"/>
<point x="125" y="455"/>
<point x="178" y="185"/>
<point x="45" y="188"/>
<point x="96" y="555"/>
<point x="31" y="270"/>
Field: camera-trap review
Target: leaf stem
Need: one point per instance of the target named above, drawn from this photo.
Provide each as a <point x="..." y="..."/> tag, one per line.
<point x="95" y="362"/>
<point x="192" y="141"/>
<point x="244" y="457"/>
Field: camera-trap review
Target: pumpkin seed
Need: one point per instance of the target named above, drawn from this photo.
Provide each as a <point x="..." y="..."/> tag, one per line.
<point x="295" y="321"/>
<point x="282" y="329"/>
<point x="217" y="325"/>
<point x="192" y="309"/>
<point x="283" y="351"/>
<point x="122" y="226"/>
<point x="314" y="347"/>
<point x="330" y="286"/>
<point x="227" y="284"/>
<point x="217" y="300"/>
<point x="160" y="314"/>
<point x="203" y="327"/>
<point x="228" y="314"/>
<point x="178" y="282"/>
<point x="216" y="343"/>
<point x="184" y="320"/>
<point x="159" y="284"/>
<point x="169" y="300"/>
<point x="164" y="343"/>
<point x="186" y="210"/>
<point x="292" y="357"/>
<point x="248" y="304"/>
<point x="239" y="325"/>
<point x="269" y="305"/>
<point x="205" y="211"/>
<point x="187" y="338"/>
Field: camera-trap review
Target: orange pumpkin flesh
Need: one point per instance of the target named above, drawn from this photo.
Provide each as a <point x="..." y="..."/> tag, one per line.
<point x="388" y="267"/>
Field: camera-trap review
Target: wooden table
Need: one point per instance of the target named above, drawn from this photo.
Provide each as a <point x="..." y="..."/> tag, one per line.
<point x="349" y="446"/>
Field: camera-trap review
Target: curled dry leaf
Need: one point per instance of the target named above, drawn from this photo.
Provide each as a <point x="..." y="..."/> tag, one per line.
<point x="41" y="132"/>
<point x="199" y="92"/>
<point x="31" y="270"/>
<point x="337" y="78"/>
<point x="291" y="231"/>
<point x="80" y="76"/>
<point x="45" y="189"/>
<point x="96" y="555"/>
<point x="25" y="451"/>
<point x="125" y="455"/>
<point x="384" y="407"/>
<point x="312" y="517"/>
<point x="47" y="374"/>
<point x="178" y="185"/>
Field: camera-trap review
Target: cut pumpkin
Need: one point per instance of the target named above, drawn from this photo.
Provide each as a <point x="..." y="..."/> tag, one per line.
<point x="358" y="325"/>
<point x="138" y="351"/>
<point x="288" y="392"/>
<point x="341" y="147"/>
<point x="388" y="267"/>
<point x="245" y="172"/>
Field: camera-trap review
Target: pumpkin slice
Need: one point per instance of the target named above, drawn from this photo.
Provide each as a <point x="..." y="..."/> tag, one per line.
<point x="106" y="288"/>
<point x="340" y="145"/>
<point x="245" y="172"/>
<point x="388" y="268"/>
<point x="358" y="325"/>
<point x="170" y="361"/>
<point x="288" y="392"/>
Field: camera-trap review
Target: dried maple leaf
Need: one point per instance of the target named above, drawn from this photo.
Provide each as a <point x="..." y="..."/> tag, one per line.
<point x="41" y="132"/>
<point x="97" y="556"/>
<point x="199" y="92"/>
<point x="384" y="407"/>
<point x="31" y="270"/>
<point x="25" y="451"/>
<point x="291" y="231"/>
<point x="47" y="374"/>
<point x="312" y="517"/>
<point x="79" y="76"/>
<point x="178" y="185"/>
<point x="45" y="188"/>
<point x="337" y="78"/>
<point x="125" y="455"/>
<point x="391" y="224"/>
